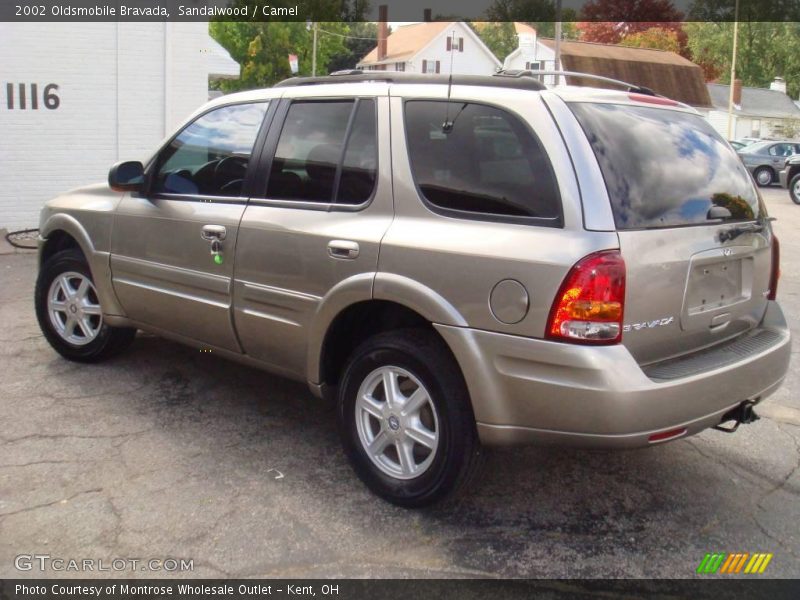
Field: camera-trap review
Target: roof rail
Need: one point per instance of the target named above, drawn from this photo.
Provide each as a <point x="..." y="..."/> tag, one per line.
<point x="516" y="73"/>
<point x="359" y="76"/>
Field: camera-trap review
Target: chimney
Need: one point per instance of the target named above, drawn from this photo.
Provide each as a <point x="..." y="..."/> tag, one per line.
<point x="778" y="84"/>
<point x="427" y="15"/>
<point x="737" y="92"/>
<point x="383" y="31"/>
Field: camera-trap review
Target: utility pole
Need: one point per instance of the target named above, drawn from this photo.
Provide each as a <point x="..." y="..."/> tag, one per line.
<point x="733" y="69"/>
<point x="314" y="52"/>
<point x="557" y="62"/>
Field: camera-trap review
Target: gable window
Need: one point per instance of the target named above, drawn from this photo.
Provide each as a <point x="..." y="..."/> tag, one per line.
<point x="327" y="152"/>
<point x="489" y="165"/>
<point x="455" y="44"/>
<point x="431" y="66"/>
<point x="401" y="66"/>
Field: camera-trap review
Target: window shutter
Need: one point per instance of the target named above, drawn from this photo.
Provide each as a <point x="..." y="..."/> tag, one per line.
<point x="449" y="43"/>
<point x="424" y="66"/>
<point x="437" y="66"/>
<point x="461" y="44"/>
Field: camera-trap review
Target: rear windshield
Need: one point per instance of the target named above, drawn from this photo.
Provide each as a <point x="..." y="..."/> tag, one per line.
<point x="665" y="168"/>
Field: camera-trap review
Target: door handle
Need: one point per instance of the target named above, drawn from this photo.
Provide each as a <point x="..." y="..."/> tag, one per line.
<point x="213" y="232"/>
<point x="343" y="249"/>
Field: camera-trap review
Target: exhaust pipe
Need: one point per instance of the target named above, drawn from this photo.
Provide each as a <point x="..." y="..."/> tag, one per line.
<point x="743" y="414"/>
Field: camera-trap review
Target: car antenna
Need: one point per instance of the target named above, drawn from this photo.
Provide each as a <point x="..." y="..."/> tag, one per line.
<point x="447" y="126"/>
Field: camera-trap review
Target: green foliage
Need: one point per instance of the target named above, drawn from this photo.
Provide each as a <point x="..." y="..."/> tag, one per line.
<point x="500" y="38"/>
<point x="654" y="37"/>
<point x="262" y="50"/>
<point x="364" y="37"/>
<point x="765" y="51"/>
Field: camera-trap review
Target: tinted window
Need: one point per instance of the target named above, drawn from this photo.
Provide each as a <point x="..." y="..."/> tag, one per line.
<point x="664" y="168"/>
<point x="309" y="159"/>
<point x="488" y="163"/>
<point x="781" y="150"/>
<point x="210" y="156"/>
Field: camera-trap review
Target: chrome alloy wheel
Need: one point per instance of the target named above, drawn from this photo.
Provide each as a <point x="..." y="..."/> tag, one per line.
<point x="796" y="188"/>
<point x="74" y="308"/>
<point x="397" y="422"/>
<point x="764" y="176"/>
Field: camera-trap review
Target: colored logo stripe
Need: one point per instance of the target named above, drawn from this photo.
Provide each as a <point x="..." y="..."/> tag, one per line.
<point x="734" y="562"/>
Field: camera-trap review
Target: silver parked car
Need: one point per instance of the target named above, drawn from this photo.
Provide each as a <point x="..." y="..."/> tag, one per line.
<point x="765" y="159"/>
<point x="482" y="264"/>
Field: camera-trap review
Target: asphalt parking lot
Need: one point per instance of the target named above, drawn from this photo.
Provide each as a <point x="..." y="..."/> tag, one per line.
<point x="166" y="452"/>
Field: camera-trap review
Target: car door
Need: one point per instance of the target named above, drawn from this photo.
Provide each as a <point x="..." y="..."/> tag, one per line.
<point x="173" y="245"/>
<point x="317" y="225"/>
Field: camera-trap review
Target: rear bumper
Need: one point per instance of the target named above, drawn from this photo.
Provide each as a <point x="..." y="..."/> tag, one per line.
<point x="534" y="391"/>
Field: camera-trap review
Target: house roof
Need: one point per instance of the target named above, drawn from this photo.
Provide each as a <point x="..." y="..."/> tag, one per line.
<point x="523" y="28"/>
<point x="405" y="41"/>
<point x="756" y="102"/>
<point x="665" y="72"/>
<point x="219" y="61"/>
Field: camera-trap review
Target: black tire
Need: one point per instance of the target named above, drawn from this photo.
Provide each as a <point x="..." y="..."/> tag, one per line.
<point x="761" y="170"/>
<point x="458" y="454"/>
<point x="794" y="189"/>
<point x="108" y="341"/>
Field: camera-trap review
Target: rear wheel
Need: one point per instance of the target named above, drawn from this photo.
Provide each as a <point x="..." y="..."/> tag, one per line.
<point x="764" y="176"/>
<point x="794" y="189"/>
<point x="69" y="312"/>
<point x="405" y="419"/>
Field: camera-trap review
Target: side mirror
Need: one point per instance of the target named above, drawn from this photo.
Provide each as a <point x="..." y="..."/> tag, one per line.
<point x="126" y="176"/>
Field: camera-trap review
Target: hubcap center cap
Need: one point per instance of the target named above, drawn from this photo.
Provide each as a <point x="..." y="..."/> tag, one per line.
<point x="394" y="423"/>
<point x="73" y="309"/>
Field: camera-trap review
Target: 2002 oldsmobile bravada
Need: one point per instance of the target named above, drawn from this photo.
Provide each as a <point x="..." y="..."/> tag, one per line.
<point x="480" y="264"/>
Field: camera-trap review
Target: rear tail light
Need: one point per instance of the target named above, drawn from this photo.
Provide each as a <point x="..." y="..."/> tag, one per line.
<point x="589" y="305"/>
<point x="775" y="268"/>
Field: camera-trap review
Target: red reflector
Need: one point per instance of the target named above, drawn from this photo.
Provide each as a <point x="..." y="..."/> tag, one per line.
<point x="666" y="435"/>
<point x="653" y="99"/>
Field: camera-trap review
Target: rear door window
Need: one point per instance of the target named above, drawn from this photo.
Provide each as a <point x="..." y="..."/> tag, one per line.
<point x="665" y="168"/>
<point x="327" y="152"/>
<point x="487" y="165"/>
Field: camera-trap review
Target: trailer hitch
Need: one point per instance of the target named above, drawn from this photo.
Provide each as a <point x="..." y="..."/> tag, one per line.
<point x="742" y="414"/>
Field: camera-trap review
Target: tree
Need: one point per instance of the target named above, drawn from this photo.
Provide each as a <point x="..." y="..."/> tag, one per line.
<point x="655" y="37"/>
<point x="611" y="21"/>
<point x="765" y="51"/>
<point x="362" y="37"/>
<point x="539" y="14"/>
<point x="500" y="38"/>
<point x="262" y="49"/>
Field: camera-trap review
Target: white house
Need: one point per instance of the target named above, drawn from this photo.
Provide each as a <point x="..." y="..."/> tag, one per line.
<point x="431" y="47"/>
<point x="531" y="54"/>
<point x="757" y="112"/>
<point x="77" y="97"/>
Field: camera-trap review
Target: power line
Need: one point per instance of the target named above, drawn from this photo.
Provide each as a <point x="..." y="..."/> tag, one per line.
<point x="352" y="37"/>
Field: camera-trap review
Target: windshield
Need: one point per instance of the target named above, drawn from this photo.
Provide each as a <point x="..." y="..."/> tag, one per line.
<point x="665" y="168"/>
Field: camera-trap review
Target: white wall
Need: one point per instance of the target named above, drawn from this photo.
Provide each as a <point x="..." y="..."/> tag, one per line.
<point x="516" y="60"/>
<point x="122" y="88"/>
<point x="474" y="60"/>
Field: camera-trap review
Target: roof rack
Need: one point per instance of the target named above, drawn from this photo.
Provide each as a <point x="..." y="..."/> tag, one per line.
<point x="359" y="76"/>
<point x="516" y="73"/>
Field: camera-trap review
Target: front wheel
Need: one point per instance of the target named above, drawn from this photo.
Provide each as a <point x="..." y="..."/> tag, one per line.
<point x="763" y="176"/>
<point x="406" y="420"/>
<point x="794" y="189"/>
<point x="69" y="312"/>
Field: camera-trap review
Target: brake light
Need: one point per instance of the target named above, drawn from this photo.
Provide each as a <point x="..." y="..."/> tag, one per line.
<point x="589" y="305"/>
<point x="775" y="268"/>
<point x="652" y="99"/>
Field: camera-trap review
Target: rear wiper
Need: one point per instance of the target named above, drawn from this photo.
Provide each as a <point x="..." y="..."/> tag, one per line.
<point x="737" y="230"/>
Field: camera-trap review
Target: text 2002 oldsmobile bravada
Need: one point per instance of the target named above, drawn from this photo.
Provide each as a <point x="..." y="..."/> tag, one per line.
<point x="486" y="263"/>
